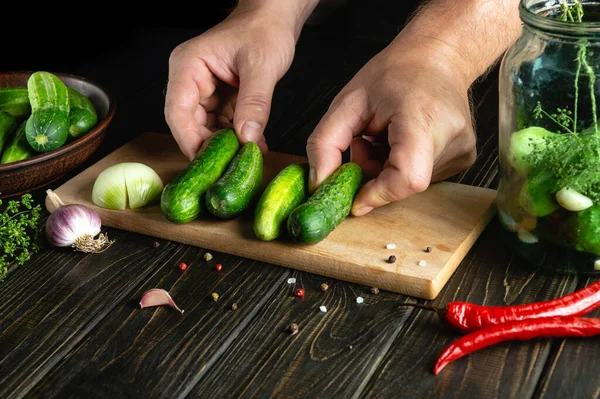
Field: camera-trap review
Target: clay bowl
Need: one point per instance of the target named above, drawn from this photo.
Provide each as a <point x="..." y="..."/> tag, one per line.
<point x="42" y="169"/>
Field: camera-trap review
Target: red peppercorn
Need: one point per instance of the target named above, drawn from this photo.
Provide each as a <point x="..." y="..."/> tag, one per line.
<point x="182" y="266"/>
<point x="299" y="292"/>
<point x="218" y="266"/>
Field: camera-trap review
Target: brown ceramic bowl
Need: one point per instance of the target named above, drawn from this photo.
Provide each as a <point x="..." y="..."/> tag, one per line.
<point x="42" y="169"/>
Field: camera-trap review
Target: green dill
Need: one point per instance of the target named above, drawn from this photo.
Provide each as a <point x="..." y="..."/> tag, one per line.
<point x="18" y="231"/>
<point x="572" y="158"/>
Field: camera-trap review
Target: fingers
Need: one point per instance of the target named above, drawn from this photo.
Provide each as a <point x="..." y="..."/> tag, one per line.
<point x="407" y="171"/>
<point x="188" y="85"/>
<point x="368" y="156"/>
<point x="253" y="103"/>
<point x="333" y="135"/>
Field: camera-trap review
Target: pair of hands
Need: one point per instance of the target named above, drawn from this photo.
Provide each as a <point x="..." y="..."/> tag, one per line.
<point x="405" y="115"/>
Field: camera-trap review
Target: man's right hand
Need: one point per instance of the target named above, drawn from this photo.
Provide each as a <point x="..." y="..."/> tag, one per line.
<point x="229" y="73"/>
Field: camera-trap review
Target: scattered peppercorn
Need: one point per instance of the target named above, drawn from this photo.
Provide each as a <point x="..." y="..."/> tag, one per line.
<point x="156" y="244"/>
<point x="392" y="259"/>
<point x="299" y="292"/>
<point x="218" y="266"/>
<point x="182" y="266"/>
<point x="350" y="346"/>
<point x="293" y="328"/>
<point x="374" y="290"/>
<point x="215" y="296"/>
<point x="324" y="287"/>
<point x="234" y="306"/>
<point x="428" y="249"/>
<point x="207" y="256"/>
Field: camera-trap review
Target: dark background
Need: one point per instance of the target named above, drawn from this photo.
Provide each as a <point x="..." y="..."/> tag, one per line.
<point x="127" y="52"/>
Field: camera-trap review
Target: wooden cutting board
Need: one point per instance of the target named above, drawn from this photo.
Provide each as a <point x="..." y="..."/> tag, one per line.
<point x="448" y="217"/>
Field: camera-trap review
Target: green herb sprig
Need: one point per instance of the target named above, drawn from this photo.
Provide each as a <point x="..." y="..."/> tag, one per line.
<point x="19" y="231"/>
<point x="572" y="158"/>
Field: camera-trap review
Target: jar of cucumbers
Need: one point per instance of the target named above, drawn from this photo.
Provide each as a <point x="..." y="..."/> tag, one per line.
<point x="549" y="137"/>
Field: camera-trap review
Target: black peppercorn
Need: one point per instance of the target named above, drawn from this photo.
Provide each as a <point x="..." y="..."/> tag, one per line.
<point x="392" y="259"/>
<point x="293" y="328"/>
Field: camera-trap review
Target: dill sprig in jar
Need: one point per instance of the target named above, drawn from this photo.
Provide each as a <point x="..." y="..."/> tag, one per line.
<point x="549" y="137"/>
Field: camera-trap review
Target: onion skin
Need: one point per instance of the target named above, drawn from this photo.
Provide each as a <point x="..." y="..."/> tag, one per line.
<point x="68" y="222"/>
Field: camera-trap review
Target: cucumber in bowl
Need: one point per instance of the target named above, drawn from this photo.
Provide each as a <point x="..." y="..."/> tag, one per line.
<point x="48" y="126"/>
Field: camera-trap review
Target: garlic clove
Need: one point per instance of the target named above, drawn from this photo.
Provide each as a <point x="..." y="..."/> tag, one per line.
<point x="158" y="297"/>
<point x="527" y="237"/>
<point x="572" y="200"/>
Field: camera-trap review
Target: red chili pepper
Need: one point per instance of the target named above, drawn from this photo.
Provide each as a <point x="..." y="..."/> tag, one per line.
<point x="547" y="327"/>
<point x="466" y="317"/>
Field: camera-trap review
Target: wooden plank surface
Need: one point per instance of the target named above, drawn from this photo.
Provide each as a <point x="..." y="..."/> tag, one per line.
<point x="448" y="217"/>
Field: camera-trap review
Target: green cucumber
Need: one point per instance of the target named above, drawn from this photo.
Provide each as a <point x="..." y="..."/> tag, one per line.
<point x="82" y="114"/>
<point x="182" y="198"/>
<point x="8" y="124"/>
<point x="48" y="126"/>
<point x="239" y="185"/>
<point x="313" y="220"/>
<point x="282" y="195"/>
<point x="17" y="149"/>
<point x="15" y="101"/>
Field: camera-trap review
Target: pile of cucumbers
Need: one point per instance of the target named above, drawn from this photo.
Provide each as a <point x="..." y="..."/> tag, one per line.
<point x="225" y="180"/>
<point x="41" y="117"/>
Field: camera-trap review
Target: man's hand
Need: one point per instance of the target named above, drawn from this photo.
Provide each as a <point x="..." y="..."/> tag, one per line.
<point x="229" y="72"/>
<point x="406" y="115"/>
<point x="407" y="121"/>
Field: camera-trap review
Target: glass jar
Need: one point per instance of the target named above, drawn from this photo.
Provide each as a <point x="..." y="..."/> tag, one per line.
<point x="549" y="137"/>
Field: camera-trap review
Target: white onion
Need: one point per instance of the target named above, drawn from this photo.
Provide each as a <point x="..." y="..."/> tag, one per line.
<point x="132" y="184"/>
<point x="75" y="226"/>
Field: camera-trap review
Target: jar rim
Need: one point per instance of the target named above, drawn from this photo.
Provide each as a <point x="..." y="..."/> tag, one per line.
<point x="535" y="19"/>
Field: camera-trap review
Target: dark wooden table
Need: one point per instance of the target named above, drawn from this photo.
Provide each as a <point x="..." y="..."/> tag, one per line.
<point x="70" y="325"/>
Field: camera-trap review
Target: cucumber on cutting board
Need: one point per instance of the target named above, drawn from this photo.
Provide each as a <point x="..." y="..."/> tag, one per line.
<point x="283" y="194"/>
<point x="17" y="148"/>
<point x="82" y="114"/>
<point x="327" y="207"/>
<point x="48" y="126"/>
<point x="235" y="190"/>
<point x="182" y="198"/>
<point x="8" y="124"/>
<point x="15" y="101"/>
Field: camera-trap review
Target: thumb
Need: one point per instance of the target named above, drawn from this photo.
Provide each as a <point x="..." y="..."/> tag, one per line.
<point x="253" y="102"/>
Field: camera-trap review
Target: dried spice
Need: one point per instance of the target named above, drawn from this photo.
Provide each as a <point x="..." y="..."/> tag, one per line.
<point x="234" y="306"/>
<point x="207" y="256"/>
<point x="392" y="259"/>
<point x="299" y="292"/>
<point x="219" y="267"/>
<point x="182" y="266"/>
<point x="428" y="249"/>
<point x="293" y="328"/>
<point x="324" y="287"/>
<point x="215" y="296"/>
<point x="157" y="297"/>
<point x="374" y="290"/>
<point x="156" y="244"/>
<point x="422" y="263"/>
<point x="360" y="299"/>
<point x="391" y="246"/>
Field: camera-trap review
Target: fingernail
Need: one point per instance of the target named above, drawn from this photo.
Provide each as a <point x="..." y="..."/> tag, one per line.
<point x="251" y="130"/>
<point x="363" y="211"/>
